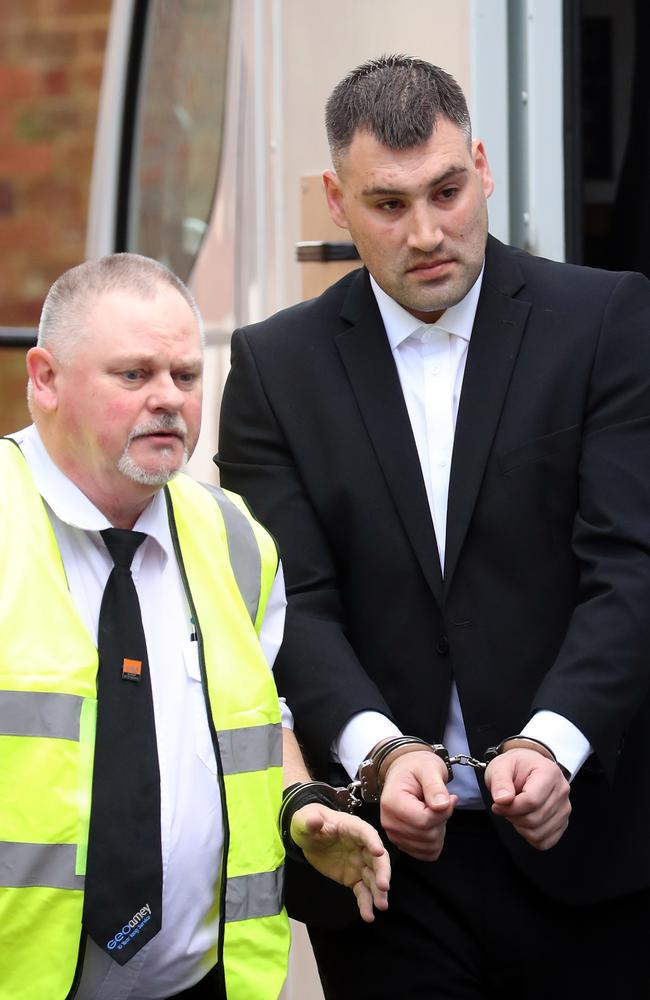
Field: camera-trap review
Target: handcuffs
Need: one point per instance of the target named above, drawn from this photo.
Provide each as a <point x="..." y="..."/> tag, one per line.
<point x="367" y="786"/>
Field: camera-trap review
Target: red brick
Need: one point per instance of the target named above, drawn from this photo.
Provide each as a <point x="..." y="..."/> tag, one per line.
<point x="27" y="159"/>
<point x="80" y="6"/>
<point x="13" y="381"/>
<point x="98" y="40"/>
<point x="56" y="81"/>
<point x="32" y="125"/>
<point x="7" y="198"/>
<point x="17" y="82"/>
<point x="50" y="69"/>
<point x="43" y="44"/>
<point x="19" y="313"/>
<point x="67" y="119"/>
<point x="90" y="78"/>
<point x="76" y="157"/>
<point x="23" y="233"/>
<point x="34" y="283"/>
<point x="47" y="194"/>
<point x="6" y="122"/>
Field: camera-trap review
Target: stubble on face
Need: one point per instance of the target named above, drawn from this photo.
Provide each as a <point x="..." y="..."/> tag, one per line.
<point x="410" y="278"/>
<point x="427" y="252"/>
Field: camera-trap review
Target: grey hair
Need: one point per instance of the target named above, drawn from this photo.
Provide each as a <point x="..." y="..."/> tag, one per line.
<point x="398" y="99"/>
<point x="62" y="322"/>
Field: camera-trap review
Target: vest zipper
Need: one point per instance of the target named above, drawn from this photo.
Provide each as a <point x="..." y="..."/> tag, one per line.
<point x="80" y="963"/>
<point x="213" y="737"/>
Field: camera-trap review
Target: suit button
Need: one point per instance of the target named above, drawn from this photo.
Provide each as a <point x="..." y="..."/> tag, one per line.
<point x="442" y="645"/>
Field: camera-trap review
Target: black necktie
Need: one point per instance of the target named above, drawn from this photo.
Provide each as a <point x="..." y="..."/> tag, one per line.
<point x="123" y="896"/>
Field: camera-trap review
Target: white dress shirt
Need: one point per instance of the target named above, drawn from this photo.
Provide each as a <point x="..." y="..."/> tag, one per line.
<point x="430" y="361"/>
<point x="191" y="820"/>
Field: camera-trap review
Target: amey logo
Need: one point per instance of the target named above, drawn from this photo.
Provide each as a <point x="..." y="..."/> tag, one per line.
<point x="133" y="927"/>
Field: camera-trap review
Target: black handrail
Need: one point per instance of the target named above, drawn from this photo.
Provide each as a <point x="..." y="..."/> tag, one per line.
<point x="18" y="336"/>
<point x="129" y="121"/>
<point x="325" y="250"/>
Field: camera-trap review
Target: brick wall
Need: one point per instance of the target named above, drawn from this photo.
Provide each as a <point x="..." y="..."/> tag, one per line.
<point x="51" y="56"/>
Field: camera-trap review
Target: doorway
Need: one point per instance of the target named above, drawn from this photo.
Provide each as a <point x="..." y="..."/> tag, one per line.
<point x="607" y="135"/>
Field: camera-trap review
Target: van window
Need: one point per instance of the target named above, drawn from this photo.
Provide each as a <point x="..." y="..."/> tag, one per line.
<point x="172" y="162"/>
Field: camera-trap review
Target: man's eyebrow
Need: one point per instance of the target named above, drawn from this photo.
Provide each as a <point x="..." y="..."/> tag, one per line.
<point x="382" y="190"/>
<point x="132" y="360"/>
<point x="137" y="360"/>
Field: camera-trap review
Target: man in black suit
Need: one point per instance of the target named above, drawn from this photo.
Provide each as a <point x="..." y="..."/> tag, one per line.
<point x="451" y="446"/>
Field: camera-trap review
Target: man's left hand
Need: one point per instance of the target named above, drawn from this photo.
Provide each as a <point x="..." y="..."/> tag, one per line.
<point x="531" y="792"/>
<point x="347" y="850"/>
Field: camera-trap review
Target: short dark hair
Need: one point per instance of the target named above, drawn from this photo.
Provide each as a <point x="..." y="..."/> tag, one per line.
<point x="398" y="99"/>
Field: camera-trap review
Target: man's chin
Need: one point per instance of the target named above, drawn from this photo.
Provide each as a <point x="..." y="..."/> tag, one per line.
<point x="157" y="476"/>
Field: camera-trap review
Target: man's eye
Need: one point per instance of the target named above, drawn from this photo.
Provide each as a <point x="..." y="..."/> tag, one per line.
<point x="448" y="193"/>
<point x="131" y="376"/>
<point x="389" y="206"/>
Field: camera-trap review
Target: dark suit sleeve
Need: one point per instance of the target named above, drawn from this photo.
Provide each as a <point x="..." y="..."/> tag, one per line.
<point x="602" y="674"/>
<point x="316" y="670"/>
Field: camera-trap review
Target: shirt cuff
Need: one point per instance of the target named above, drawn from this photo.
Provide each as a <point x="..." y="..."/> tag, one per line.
<point x="357" y="738"/>
<point x="565" y="740"/>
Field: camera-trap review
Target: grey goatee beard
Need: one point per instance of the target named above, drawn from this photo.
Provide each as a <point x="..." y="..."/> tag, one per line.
<point x="153" y="477"/>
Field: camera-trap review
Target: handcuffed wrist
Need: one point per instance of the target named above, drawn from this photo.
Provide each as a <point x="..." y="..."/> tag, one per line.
<point x="373" y="771"/>
<point x="521" y="742"/>
<point x="294" y="798"/>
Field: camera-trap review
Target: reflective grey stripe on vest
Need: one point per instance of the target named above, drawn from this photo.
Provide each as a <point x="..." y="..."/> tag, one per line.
<point x="258" y="895"/>
<point x="36" y="713"/>
<point x="252" y="749"/>
<point x="245" y="557"/>
<point x="41" y="865"/>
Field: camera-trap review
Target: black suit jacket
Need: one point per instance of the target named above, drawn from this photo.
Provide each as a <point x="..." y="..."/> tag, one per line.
<point x="546" y="596"/>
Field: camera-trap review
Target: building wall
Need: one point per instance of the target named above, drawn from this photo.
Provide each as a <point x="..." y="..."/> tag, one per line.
<point x="51" y="54"/>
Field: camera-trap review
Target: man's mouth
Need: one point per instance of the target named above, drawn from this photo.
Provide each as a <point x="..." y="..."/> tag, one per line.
<point x="431" y="268"/>
<point x="160" y="434"/>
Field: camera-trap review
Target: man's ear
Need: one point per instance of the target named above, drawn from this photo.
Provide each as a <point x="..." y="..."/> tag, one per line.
<point x="42" y="368"/>
<point x="482" y="167"/>
<point x="334" y="195"/>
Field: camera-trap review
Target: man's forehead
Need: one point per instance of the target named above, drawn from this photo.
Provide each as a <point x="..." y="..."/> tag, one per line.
<point x="163" y="305"/>
<point x="146" y="297"/>
<point x="367" y="151"/>
<point x="123" y="326"/>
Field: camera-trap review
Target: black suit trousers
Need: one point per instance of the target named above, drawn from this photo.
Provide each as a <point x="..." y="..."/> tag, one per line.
<point x="471" y="927"/>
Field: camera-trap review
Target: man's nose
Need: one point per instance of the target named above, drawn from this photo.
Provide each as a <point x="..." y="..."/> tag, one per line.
<point x="166" y="394"/>
<point x="425" y="233"/>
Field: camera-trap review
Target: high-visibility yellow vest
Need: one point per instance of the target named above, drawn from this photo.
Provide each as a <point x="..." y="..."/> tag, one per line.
<point x="48" y="707"/>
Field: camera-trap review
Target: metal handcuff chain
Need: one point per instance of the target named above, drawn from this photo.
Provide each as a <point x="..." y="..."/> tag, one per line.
<point x="351" y="797"/>
<point x="367" y="787"/>
<point x="364" y="789"/>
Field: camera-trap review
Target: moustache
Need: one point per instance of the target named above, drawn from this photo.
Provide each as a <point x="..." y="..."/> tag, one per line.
<point x="166" y="424"/>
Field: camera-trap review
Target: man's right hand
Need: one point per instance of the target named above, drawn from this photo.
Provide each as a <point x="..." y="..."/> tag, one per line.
<point x="415" y="804"/>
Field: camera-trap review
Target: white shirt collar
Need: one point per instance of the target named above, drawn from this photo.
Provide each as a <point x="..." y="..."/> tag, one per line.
<point x="457" y="320"/>
<point x="73" y="507"/>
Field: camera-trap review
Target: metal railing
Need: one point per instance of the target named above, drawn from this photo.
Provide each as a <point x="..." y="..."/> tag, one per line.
<point x="18" y="336"/>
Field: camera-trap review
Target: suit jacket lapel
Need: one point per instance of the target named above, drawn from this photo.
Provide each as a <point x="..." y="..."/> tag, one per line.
<point x="368" y="361"/>
<point x="493" y="349"/>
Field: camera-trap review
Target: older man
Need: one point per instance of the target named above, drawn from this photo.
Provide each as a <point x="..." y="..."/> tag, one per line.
<point x="451" y="446"/>
<point x="140" y="730"/>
